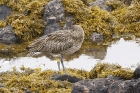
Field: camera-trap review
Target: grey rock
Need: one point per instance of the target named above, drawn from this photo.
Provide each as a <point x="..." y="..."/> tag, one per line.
<point x="54" y="15"/>
<point x="4" y="11"/>
<point x="101" y="4"/>
<point x="128" y="2"/>
<point x="1" y="85"/>
<point x="114" y="77"/>
<point x="96" y="37"/>
<point x="127" y="86"/>
<point x="137" y="72"/>
<point x="92" y="86"/>
<point x="7" y="36"/>
<point x="28" y="91"/>
<point x="69" y="78"/>
<point x="106" y="85"/>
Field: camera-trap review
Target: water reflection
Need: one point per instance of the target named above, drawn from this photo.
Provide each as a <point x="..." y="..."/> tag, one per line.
<point x="123" y="51"/>
<point x="94" y="50"/>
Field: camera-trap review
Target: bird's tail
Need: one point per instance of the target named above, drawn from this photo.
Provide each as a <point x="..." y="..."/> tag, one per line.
<point x="30" y="54"/>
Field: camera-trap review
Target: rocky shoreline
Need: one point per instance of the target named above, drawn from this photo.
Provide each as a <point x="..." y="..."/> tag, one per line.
<point x="107" y="18"/>
<point x="71" y="81"/>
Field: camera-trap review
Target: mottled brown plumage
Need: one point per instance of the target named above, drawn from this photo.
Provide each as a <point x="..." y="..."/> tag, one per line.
<point x="62" y="42"/>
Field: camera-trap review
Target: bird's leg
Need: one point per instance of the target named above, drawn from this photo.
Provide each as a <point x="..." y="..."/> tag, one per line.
<point x="58" y="63"/>
<point x="62" y="62"/>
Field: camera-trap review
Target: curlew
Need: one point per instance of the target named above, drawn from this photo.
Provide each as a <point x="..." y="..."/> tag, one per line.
<point x="60" y="43"/>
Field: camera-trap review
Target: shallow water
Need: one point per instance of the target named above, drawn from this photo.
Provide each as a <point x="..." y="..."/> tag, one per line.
<point x="124" y="53"/>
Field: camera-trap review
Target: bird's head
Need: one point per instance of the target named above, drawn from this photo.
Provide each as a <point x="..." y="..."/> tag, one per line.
<point x="77" y="28"/>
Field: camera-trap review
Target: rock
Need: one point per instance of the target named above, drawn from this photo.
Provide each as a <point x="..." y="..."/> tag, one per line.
<point x="137" y="72"/>
<point x="127" y="86"/>
<point x="92" y="86"/>
<point x="54" y="16"/>
<point x="106" y="85"/>
<point x="96" y="37"/>
<point x="28" y="91"/>
<point x="128" y="2"/>
<point x="4" y="11"/>
<point x="114" y="77"/>
<point x="7" y="36"/>
<point x="69" y="78"/>
<point x="101" y="4"/>
<point x="1" y="85"/>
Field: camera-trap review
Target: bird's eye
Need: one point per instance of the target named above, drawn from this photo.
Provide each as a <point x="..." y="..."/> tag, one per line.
<point x="72" y="28"/>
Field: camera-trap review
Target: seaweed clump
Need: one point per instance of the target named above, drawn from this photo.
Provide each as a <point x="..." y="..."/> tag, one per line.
<point x="4" y="90"/>
<point x="27" y="22"/>
<point x="128" y="17"/>
<point x="26" y="17"/>
<point x="102" y="70"/>
<point x="13" y="51"/>
<point x="2" y="23"/>
<point x="36" y="80"/>
<point x="86" y="2"/>
<point x="123" y="19"/>
<point x="92" y="19"/>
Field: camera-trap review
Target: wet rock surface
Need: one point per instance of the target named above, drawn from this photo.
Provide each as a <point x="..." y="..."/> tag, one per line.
<point x="69" y="78"/>
<point x="107" y="85"/>
<point x="137" y="72"/>
<point x="55" y="17"/>
<point x="7" y="36"/>
<point x="4" y="11"/>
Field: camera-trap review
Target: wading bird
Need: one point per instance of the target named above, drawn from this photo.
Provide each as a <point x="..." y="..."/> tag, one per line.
<point x="60" y="43"/>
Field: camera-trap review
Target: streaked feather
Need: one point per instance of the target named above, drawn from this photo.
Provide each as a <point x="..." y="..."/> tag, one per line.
<point x="59" y="42"/>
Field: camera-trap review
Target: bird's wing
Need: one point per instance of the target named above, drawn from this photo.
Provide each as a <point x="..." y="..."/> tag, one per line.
<point x="58" y="42"/>
<point x="37" y="44"/>
<point x="54" y="42"/>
